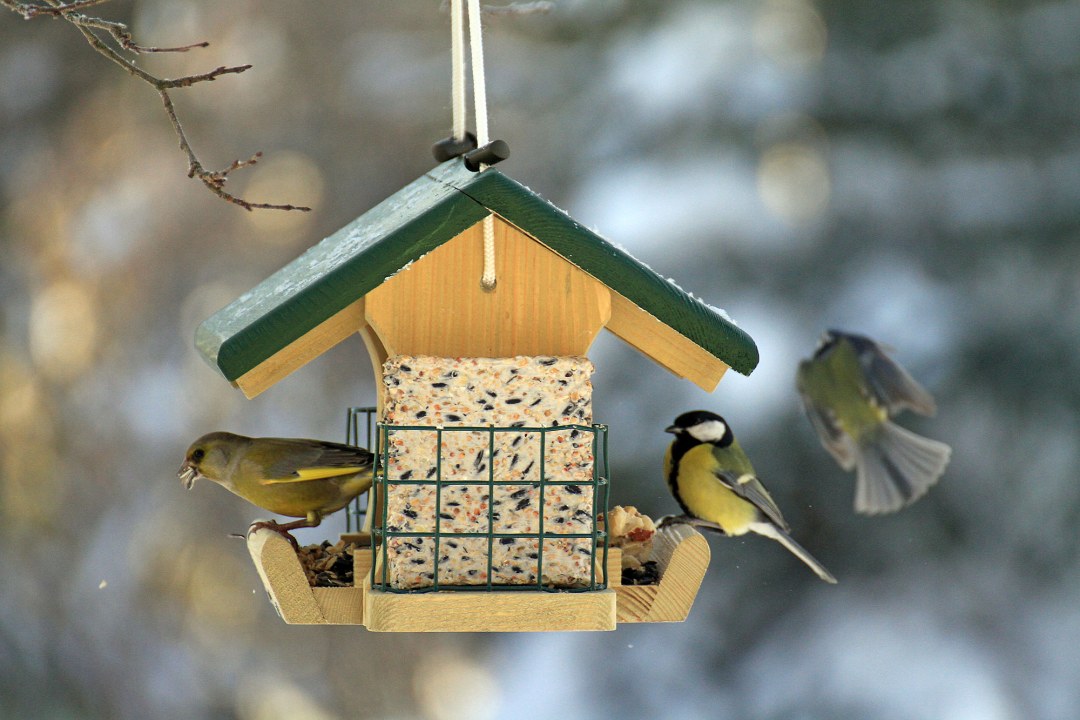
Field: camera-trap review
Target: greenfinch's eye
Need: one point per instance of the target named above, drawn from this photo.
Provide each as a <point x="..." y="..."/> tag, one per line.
<point x="198" y="454"/>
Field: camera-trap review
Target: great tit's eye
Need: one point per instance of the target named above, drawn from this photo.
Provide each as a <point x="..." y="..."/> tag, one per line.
<point x="198" y="454"/>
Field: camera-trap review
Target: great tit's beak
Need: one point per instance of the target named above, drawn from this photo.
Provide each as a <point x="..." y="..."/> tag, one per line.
<point x="187" y="474"/>
<point x="673" y="429"/>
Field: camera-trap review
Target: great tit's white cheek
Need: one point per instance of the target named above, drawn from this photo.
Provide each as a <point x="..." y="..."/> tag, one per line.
<point x="825" y="342"/>
<point x="708" y="431"/>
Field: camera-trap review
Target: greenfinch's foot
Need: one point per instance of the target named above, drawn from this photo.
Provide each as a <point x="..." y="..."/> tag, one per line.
<point x="282" y="530"/>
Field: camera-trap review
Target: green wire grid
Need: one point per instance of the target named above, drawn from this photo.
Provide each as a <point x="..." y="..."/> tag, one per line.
<point x="382" y="483"/>
<point x="355" y="418"/>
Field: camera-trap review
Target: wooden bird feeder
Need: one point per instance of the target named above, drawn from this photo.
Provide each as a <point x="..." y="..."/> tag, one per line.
<point x="406" y="276"/>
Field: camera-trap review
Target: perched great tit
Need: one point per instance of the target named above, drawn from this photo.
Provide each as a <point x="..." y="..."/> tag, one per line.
<point x="298" y="478"/>
<point x="849" y="390"/>
<point x="716" y="486"/>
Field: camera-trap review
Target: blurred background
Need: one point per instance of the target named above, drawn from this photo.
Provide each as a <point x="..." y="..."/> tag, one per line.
<point x="907" y="170"/>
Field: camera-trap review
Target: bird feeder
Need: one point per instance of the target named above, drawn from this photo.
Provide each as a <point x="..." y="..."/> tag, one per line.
<point x="486" y="511"/>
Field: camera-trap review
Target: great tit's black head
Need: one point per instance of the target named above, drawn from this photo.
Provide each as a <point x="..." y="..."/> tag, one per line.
<point x="702" y="426"/>
<point x="860" y="343"/>
<point x="827" y="341"/>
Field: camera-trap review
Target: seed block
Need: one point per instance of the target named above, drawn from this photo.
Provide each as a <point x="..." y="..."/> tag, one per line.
<point x="510" y="482"/>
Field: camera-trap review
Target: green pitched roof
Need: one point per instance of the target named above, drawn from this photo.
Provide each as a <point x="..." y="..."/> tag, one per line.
<point x="411" y="223"/>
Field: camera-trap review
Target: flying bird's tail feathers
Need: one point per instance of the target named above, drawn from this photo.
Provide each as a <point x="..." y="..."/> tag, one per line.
<point x="769" y="530"/>
<point x="895" y="468"/>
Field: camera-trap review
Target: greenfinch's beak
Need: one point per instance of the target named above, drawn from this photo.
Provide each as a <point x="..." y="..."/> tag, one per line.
<point x="187" y="474"/>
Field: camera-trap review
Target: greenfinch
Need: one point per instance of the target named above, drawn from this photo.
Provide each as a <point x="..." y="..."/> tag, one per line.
<point x="850" y="389"/>
<point x="716" y="486"/>
<point x="298" y="478"/>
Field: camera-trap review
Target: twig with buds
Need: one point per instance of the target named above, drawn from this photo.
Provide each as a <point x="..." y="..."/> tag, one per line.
<point x="97" y="30"/>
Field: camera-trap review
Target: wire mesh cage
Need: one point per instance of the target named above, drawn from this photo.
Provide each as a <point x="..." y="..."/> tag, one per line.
<point x="359" y="432"/>
<point x="567" y="502"/>
<point x="472" y="508"/>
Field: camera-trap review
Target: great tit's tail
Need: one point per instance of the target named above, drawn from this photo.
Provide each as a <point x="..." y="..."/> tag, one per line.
<point x="769" y="530"/>
<point x="896" y="467"/>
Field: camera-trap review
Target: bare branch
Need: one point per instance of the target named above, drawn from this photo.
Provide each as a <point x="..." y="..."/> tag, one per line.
<point x="189" y="80"/>
<point x="90" y="27"/>
<point x="214" y="180"/>
<point x="123" y="38"/>
<point x="30" y="11"/>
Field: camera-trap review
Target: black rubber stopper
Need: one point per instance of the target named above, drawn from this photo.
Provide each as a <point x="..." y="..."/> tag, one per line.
<point x="450" y="147"/>
<point x="495" y="151"/>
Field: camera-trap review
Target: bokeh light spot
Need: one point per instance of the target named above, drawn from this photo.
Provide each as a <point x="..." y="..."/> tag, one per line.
<point x="283" y="177"/>
<point x="271" y="698"/>
<point x="20" y="399"/>
<point x="793" y="180"/>
<point x="791" y="33"/>
<point x="32" y="491"/>
<point x="63" y="330"/>
<point x="450" y="687"/>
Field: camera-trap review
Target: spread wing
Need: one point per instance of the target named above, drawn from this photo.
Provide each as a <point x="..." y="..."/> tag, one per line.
<point x="304" y="460"/>
<point x="835" y="440"/>
<point x="748" y="487"/>
<point x="889" y="383"/>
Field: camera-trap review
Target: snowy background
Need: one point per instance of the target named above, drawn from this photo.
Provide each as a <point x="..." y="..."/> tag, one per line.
<point x="908" y="170"/>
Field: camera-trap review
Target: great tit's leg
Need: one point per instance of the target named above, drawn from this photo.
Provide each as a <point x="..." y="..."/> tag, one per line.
<point x="697" y="523"/>
<point x="669" y="520"/>
<point x="700" y="524"/>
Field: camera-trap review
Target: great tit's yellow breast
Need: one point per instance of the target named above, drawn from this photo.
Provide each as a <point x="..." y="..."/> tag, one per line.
<point x="708" y="498"/>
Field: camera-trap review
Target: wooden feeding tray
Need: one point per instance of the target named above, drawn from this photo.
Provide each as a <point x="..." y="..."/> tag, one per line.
<point x="681" y="553"/>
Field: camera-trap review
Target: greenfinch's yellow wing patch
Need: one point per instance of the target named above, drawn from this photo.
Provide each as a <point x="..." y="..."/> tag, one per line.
<point x="313" y="473"/>
<point x="285" y="461"/>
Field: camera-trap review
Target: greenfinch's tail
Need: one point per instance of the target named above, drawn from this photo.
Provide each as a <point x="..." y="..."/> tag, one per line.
<point x="771" y="531"/>
<point x="895" y="467"/>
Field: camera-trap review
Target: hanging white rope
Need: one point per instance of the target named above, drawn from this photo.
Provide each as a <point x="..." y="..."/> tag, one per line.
<point x="457" y="67"/>
<point x="476" y="45"/>
<point x="457" y="91"/>
<point x="487" y="280"/>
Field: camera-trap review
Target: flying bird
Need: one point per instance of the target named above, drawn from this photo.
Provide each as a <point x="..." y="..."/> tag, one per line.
<point x="850" y="390"/>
